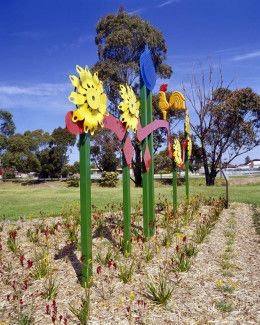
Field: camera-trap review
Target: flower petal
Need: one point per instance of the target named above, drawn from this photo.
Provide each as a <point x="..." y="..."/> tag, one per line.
<point x="80" y="113"/>
<point x="77" y="99"/>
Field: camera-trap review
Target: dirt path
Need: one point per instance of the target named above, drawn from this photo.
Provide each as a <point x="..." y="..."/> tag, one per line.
<point x="201" y="298"/>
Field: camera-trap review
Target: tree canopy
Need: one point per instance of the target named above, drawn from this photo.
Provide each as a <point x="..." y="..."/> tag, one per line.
<point x="227" y="121"/>
<point x="7" y="126"/>
<point x="120" y="39"/>
<point x="34" y="151"/>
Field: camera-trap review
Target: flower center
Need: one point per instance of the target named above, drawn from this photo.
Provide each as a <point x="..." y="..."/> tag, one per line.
<point x="92" y="99"/>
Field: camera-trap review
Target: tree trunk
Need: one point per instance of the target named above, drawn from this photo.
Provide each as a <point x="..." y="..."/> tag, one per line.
<point x="137" y="165"/>
<point x="210" y="175"/>
<point x="210" y="179"/>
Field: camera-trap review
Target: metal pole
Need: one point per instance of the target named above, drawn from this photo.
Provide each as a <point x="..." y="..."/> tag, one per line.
<point x="174" y="186"/>
<point x="226" y="180"/>
<point x="126" y="207"/>
<point x="151" y="169"/>
<point x="145" y="179"/>
<point x="85" y="208"/>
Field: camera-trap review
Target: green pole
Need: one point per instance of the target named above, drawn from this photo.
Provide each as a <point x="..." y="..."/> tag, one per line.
<point x="151" y="170"/>
<point x="85" y="209"/>
<point x="174" y="186"/>
<point x="145" y="179"/>
<point x="186" y="165"/>
<point x="126" y="207"/>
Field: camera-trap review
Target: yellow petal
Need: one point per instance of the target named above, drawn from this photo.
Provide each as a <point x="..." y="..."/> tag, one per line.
<point x="77" y="99"/>
<point x="123" y="106"/>
<point x="130" y="120"/>
<point x="79" y="113"/>
<point x="93" y="98"/>
<point x="103" y="99"/>
<point x="74" y="80"/>
<point x="103" y="109"/>
<point x="92" y="119"/>
<point x="123" y="92"/>
<point x="81" y="72"/>
<point x="95" y="79"/>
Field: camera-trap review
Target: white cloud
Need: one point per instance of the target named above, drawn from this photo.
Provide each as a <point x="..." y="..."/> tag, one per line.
<point x="44" y="89"/>
<point x="246" y="56"/>
<point x="166" y="3"/>
<point x="44" y="97"/>
<point x="134" y="12"/>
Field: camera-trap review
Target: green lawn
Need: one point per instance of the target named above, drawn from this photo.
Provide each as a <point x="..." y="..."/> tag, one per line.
<point x="51" y="198"/>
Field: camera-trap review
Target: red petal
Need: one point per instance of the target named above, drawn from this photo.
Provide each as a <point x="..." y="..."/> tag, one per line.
<point x="74" y="128"/>
<point x="147" y="158"/>
<point x="128" y="151"/>
<point x="113" y="124"/>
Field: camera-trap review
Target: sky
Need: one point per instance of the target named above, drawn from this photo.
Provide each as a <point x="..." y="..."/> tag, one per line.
<point x="42" y="41"/>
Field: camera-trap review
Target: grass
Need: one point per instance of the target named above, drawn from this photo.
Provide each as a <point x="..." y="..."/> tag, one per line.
<point x="224" y="306"/>
<point x="50" y="198"/>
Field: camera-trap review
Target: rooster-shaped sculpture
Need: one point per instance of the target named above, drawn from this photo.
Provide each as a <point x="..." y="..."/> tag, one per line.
<point x="177" y="101"/>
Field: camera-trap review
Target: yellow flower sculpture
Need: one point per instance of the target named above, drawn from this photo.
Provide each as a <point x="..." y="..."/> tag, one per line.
<point x="187" y="123"/>
<point x="130" y="107"/>
<point x="90" y="99"/>
<point x="177" y="152"/>
<point x="189" y="146"/>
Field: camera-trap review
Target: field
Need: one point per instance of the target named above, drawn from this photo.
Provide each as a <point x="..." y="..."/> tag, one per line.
<point x="200" y="267"/>
<point x="52" y="198"/>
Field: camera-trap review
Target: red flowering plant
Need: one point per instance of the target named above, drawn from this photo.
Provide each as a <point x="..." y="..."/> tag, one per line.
<point x="11" y="241"/>
<point x="184" y="250"/>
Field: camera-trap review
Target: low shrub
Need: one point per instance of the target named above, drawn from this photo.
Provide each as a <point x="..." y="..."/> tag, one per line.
<point x="73" y="182"/>
<point x="109" y="179"/>
<point x="160" y="291"/>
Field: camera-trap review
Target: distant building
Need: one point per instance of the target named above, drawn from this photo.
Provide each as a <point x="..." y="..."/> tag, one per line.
<point x="253" y="164"/>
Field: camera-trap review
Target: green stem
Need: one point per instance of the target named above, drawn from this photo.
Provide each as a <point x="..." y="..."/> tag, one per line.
<point x="145" y="179"/>
<point x="151" y="170"/>
<point x="174" y="186"/>
<point x="126" y="208"/>
<point x="85" y="208"/>
<point x="186" y="165"/>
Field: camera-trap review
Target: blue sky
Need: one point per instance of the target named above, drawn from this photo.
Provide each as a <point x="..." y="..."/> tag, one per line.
<point x="42" y="41"/>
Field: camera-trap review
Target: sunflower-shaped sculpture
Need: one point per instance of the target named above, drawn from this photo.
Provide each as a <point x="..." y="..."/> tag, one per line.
<point x="177" y="153"/>
<point x="187" y="123"/>
<point x="90" y="99"/>
<point x="130" y="107"/>
<point x="189" y="146"/>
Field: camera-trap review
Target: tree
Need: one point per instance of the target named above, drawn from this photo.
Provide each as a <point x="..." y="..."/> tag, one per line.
<point x="227" y="121"/>
<point x="7" y="126"/>
<point x="105" y="151"/>
<point x="162" y="162"/>
<point x="120" y="40"/>
<point x="21" y="151"/>
<point x="247" y="160"/>
<point x="54" y="157"/>
<point x="7" y="129"/>
<point x="70" y="169"/>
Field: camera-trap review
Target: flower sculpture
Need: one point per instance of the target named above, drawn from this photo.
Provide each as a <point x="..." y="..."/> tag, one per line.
<point x="187" y="123"/>
<point x="187" y="131"/>
<point x="89" y="98"/>
<point x="189" y="146"/>
<point x="130" y="107"/>
<point x="176" y="102"/>
<point x="177" y="153"/>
